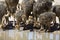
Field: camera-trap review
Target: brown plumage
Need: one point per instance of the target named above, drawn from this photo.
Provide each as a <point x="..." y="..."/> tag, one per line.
<point x="56" y="9"/>
<point x="12" y="5"/>
<point x="27" y="6"/>
<point x="46" y="18"/>
<point x="41" y="6"/>
<point x="3" y="11"/>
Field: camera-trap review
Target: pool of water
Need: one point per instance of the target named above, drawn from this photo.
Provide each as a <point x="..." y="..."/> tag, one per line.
<point x="27" y="35"/>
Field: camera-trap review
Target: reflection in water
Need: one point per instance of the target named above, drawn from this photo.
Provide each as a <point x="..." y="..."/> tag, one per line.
<point x="46" y="35"/>
<point x="57" y="36"/>
<point x="26" y="35"/>
<point x="41" y="37"/>
<point x="51" y="36"/>
<point x="21" y="34"/>
<point x="30" y="36"/>
<point x="11" y="33"/>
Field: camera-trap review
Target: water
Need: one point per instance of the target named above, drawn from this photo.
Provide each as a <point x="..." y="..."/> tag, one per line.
<point x="26" y="35"/>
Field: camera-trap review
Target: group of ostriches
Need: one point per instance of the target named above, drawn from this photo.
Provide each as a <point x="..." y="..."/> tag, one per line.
<point x="30" y="15"/>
